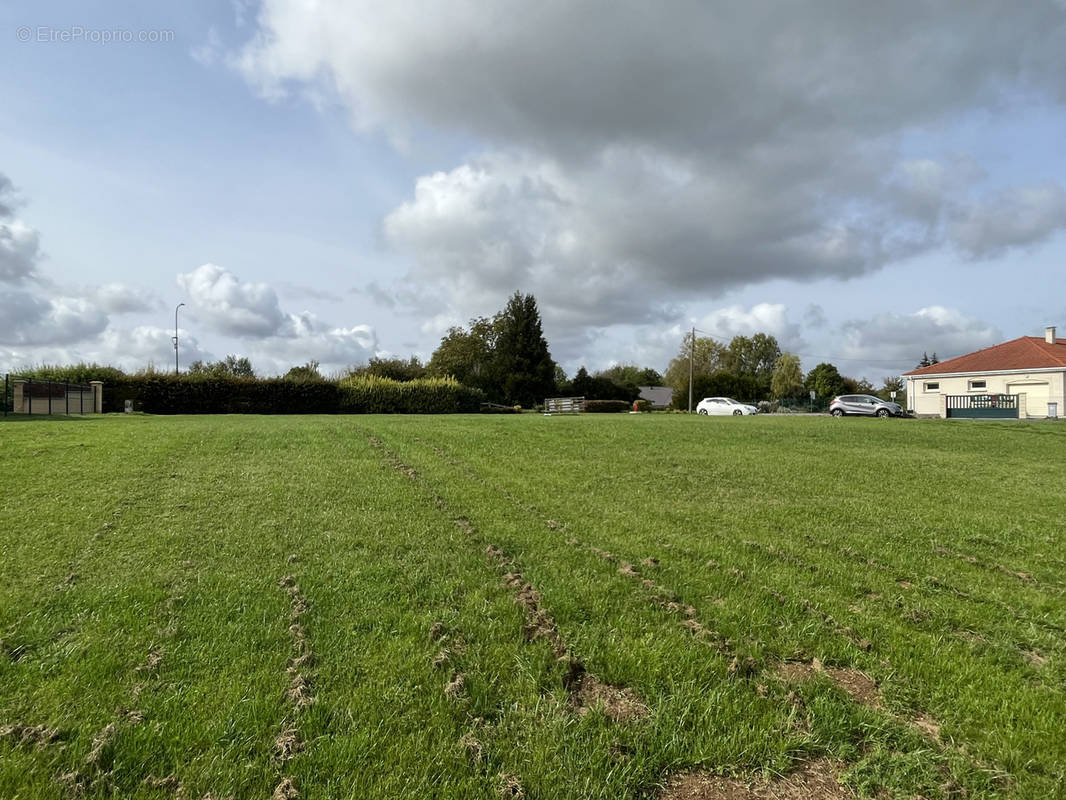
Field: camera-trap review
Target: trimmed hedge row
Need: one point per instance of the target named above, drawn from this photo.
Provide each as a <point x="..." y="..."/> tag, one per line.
<point x="184" y="394"/>
<point x="370" y="394"/>
<point x="607" y="406"/>
<point x="192" y="394"/>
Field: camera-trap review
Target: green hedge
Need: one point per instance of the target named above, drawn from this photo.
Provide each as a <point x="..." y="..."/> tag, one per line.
<point x="607" y="406"/>
<point x="199" y="394"/>
<point x="370" y="394"/>
<point x="192" y="394"/>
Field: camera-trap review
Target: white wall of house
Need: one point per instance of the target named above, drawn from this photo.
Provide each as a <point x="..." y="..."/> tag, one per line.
<point x="1040" y="387"/>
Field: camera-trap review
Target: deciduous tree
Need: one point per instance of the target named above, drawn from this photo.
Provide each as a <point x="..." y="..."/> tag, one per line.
<point x="467" y="356"/>
<point x="825" y="381"/>
<point x="230" y="367"/>
<point x="707" y="358"/>
<point x="787" y="379"/>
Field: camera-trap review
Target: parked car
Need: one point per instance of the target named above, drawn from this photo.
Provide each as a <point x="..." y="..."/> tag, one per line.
<point x="864" y="405"/>
<point x="724" y="406"/>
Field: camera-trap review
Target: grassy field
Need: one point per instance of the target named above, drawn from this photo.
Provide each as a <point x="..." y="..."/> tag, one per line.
<point x="564" y="607"/>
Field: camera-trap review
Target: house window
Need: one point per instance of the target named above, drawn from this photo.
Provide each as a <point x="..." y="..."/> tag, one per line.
<point x="978" y="386"/>
<point x="932" y="386"/>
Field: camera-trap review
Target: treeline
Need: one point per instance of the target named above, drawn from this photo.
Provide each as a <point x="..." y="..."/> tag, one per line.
<point x="753" y="368"/>
<point x="503" y="360"/>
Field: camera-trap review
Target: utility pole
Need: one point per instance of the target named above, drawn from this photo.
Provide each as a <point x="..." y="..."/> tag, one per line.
<point x="691" y="355"/>
<point x="179" y="305"/>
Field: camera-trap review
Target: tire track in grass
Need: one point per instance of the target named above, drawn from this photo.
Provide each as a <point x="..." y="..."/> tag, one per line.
<point x="853" y="682"/>
<point x="666" y="598"/>
<point x="584" y="690"/>
<point x="299" y="695"/>
<point x="449" y="658"/>
<point x="901" y="573"/>
<point x="857" y="685"/>
<point x="1022" y="651"/>
<point x="96" y="772"/>
<point x="1034" y="654"/>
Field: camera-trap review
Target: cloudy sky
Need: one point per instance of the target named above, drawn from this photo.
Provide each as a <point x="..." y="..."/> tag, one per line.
<point x="337" y="179"/>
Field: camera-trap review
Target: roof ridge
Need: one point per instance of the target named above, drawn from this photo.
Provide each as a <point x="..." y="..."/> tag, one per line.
<point x="1022" y="352"/>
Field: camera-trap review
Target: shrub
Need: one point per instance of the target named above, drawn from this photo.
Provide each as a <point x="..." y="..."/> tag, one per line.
<point x="606" y="406"/>
<point x="370" y="394"/>
<point x="75" y="373"/>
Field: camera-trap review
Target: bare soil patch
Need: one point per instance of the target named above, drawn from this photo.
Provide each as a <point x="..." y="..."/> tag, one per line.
<point x="815" y="780"/>
<point x="299" y="691"/>
<point x="151" y="663"/>
<point x="170" y="783"/>
<point x="1034" y="658"/>
<point x="286" y="790"/>
<point x="37" y="735"/>
<point x="287" y="745"/>
<point x="927" y="725"/>
<point x="618" y="702"/>
<point x="859" y="686"/>
<point x="510" y="787"/>
<point x="453" y="689"/>
<point x="474" y="749"/>
<point x="101" y="742"/>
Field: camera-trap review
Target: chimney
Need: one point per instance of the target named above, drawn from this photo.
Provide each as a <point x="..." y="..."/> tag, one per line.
<point x="1049" y="334"/>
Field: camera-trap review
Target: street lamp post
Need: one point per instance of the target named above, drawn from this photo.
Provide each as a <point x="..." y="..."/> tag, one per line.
<point x="179" y="305"/>
<point x="691" y="355"/>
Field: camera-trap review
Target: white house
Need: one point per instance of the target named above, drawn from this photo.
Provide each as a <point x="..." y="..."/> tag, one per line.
<point x="1032" y="368"/>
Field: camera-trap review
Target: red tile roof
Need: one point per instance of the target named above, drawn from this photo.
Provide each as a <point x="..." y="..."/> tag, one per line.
<point x="1025" y="352"/>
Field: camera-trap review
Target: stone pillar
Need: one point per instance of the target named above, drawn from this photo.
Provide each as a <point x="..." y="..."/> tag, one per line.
<point x="943" y="406"/>
<point x="1023" y="406"/>
<point x="16" y="397"/>
<point x="98" y="396"/>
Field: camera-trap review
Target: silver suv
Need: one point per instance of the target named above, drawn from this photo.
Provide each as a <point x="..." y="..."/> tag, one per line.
<point x="864" y="404"/>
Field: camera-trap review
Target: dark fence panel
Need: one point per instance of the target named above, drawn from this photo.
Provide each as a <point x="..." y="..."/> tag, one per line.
<point x="982" y="406"/>
<point x="24" y="395"/>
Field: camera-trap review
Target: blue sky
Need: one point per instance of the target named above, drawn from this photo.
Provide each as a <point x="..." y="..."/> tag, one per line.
<point x="337" y="180"/>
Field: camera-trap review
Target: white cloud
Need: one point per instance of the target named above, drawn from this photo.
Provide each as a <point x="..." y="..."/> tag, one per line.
<point x="144" y="345"/>
<point x="7" y="197"/>
<point x="120" y="298"/>
<point x="218" y="297"/>
<point x="334" y="349"/>
<point x="274" y="339"/>
<point x="900" y="339"/>
<point x="557" y="74"/>
<point x="814" y="316"/>
<point x="128" y="349"/>
<point x="769" y="318"/>
<point x="1019" y="217"/>
<point x="32" y="320"/>
<point x="210" y="51"/>
<point x="19" y="243"/>
<point x="628" y="159"/>
<point x="19" y="251"/>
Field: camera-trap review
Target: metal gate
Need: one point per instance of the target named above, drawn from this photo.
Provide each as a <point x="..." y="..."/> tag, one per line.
<point x="982" y="406"/>
<point x="32" y="396"/>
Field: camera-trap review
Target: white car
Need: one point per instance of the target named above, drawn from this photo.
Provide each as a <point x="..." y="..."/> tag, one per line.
<point x="724" y="405"/>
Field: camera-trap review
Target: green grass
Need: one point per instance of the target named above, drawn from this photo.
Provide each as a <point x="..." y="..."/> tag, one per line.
<point x="927" y="555"/>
